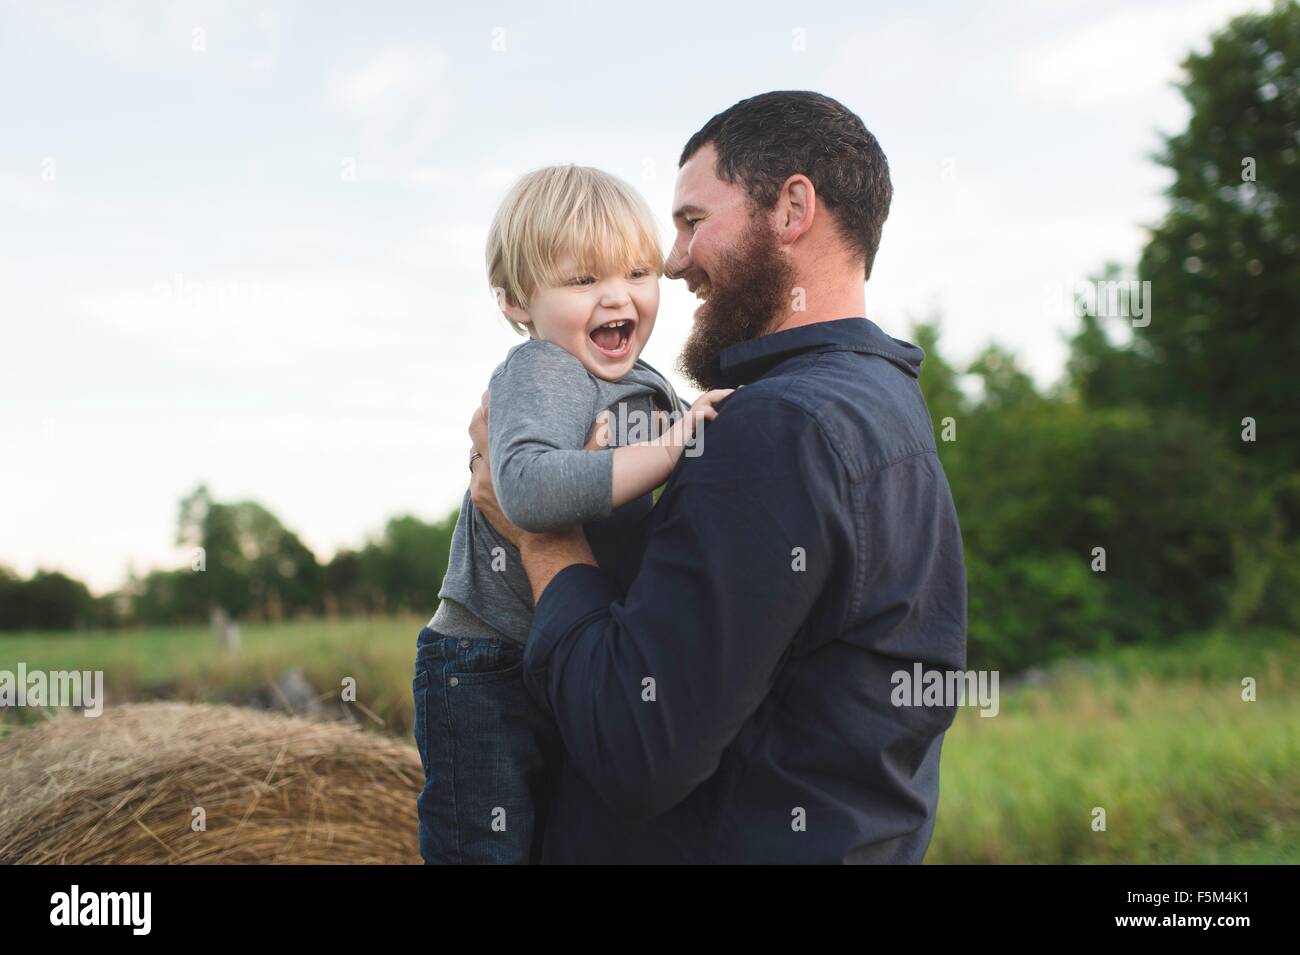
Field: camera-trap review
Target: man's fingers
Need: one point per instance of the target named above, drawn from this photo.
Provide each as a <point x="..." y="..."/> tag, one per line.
<point x="476" y="482"/>
<point x="599" y="439"/>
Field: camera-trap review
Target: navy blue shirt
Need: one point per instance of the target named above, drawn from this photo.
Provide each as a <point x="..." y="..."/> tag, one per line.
<point x="734" y="703"/>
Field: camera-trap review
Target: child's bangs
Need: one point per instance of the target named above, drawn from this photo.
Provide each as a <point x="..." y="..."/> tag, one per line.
<point x="609" y="236"/>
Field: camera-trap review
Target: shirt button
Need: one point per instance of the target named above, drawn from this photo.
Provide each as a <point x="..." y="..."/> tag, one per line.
<point x="454" y="681"/>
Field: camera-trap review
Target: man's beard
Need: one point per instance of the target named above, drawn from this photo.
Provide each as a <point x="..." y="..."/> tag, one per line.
<point x="748" y="292"/>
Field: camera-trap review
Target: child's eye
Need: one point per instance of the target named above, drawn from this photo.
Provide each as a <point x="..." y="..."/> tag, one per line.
<point x="639" y="273"/>
<point x="581" y="280"/>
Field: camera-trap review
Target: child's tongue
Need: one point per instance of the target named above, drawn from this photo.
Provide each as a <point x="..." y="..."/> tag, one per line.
<point x="607" y="338"/>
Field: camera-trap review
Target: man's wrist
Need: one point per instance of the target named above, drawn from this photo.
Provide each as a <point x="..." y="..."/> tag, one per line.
<point x="534" y="546"/>
<point x="545" y="555"/>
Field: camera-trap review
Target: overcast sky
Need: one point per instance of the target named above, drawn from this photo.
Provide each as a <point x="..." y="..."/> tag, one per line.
<point x="242" y="243"/>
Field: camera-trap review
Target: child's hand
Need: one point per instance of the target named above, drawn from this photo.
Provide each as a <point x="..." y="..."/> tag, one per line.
<point x="703" y="409"/>
<point x="640" y="468"/>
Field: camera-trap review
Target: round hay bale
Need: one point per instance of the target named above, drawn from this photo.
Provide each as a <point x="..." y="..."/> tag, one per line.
<point x="124" y="787"/>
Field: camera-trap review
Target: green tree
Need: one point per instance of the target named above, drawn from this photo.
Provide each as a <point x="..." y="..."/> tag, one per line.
<point x="1223" y="262"/>
<point x="251" y="564"/>
<point x="50" y="600"/>
<point x="1042" y="482"/>
<point x="407" y="563"/>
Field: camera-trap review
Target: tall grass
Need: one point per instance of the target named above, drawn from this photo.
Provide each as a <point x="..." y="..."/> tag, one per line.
<point x="1159" y="738"/>
<point x="185" y="663"/>
<point x="1185" y="770"/>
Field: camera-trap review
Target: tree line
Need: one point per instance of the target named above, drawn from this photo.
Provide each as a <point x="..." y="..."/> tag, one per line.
<point x="247" y="563"/>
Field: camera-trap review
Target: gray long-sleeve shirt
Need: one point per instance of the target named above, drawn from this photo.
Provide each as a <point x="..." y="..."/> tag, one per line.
<point x="543" y="403"/>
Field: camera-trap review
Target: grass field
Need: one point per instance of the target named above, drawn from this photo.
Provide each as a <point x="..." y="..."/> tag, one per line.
<point x="1158" y="737"/>
<point x="185" y="663"/>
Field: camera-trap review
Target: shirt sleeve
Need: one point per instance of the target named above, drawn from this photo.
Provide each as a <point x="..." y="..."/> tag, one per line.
<point x="541" y="407"/>
<point x="648" y="688"/>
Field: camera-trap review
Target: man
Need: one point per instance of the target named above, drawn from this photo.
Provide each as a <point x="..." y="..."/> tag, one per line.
<point x="734" y="705"/>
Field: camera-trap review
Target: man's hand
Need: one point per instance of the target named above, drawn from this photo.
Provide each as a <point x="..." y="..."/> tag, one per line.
<point x="544" y="555"/>
<point x="481" y="491"/>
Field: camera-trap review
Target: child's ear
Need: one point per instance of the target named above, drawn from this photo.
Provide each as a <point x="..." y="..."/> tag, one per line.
<point x="512" y="312"/>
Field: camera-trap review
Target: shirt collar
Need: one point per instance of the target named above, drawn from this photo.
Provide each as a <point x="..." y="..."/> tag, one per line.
<point x="749" y="360"/>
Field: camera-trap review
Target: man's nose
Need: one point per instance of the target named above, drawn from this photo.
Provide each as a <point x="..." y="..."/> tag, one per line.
<point x="678" y="262"/>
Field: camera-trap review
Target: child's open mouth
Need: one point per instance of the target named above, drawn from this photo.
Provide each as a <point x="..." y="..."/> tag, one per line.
<point x="614" y="339"/>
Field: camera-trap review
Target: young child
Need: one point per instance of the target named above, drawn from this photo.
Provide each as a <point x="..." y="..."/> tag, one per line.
<point x="574" y="258"/>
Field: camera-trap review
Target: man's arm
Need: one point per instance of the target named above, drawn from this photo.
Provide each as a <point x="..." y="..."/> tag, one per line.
<point x="545" y="555"/>
<point x="648" y="689"/>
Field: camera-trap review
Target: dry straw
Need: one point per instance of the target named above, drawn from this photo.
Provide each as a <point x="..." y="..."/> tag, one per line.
<point x="122" y="788"/>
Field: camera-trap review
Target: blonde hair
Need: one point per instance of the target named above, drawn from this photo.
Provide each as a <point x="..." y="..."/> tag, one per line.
<point x="559" y="212"/>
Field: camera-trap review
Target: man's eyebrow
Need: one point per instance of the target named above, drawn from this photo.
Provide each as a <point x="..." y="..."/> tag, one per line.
<point x="683" y="211"/>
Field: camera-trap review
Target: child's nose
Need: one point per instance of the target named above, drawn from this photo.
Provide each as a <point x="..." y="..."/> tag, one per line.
<point x="615" y="296"/>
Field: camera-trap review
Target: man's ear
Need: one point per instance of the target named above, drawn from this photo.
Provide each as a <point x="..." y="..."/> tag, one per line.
<point x="512" y="312"/>
<point x="799" y="207"/>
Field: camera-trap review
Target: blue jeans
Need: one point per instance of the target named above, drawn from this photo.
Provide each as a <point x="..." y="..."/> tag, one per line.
<point x="489" y="753"/>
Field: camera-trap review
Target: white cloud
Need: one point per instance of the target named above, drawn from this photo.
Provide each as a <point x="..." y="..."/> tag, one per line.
<point x="400" y="101"/>
<point x="985" y="271"/>
<point x="391" y="76"/>
<point x="1124" y="56"/>
<point x="245" y="318"/>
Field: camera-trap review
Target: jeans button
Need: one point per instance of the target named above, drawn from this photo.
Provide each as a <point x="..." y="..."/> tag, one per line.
<point x="454" y="681"/>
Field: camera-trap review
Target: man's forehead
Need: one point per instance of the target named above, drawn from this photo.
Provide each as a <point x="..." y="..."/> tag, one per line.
<point x="697" y="182"/>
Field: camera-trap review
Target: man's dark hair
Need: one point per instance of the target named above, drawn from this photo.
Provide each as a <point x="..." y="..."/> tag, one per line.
<point x="764" y="140"/>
